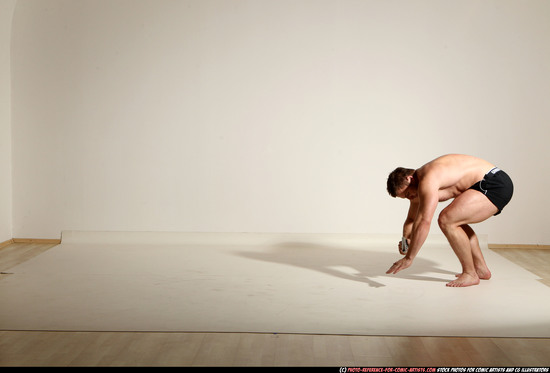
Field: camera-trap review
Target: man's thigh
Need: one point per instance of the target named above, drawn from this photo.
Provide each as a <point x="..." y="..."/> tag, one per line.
<point x="470" y="207"/>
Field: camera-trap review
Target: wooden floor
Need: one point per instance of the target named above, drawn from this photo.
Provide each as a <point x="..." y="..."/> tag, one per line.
<point x="105" y="349"/>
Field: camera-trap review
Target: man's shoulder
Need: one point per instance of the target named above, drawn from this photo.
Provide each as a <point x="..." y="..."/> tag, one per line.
<point x="430" y="170"/>
<point x="432" y="177"/>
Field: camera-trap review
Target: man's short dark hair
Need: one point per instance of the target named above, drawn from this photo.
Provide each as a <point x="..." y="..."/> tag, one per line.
<point x="396" y="179"/>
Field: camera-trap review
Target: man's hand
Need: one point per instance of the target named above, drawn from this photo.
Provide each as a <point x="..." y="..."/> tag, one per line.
<point x="400" y="246"/>
<point x="400" y="265"/>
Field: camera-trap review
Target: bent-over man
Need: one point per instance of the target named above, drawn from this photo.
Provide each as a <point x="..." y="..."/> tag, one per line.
<point x="479" y="189"/>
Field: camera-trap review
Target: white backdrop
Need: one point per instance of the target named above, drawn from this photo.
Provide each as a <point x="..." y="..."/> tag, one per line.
<point x="270" y="116"/>
<point x="6" y="12"/>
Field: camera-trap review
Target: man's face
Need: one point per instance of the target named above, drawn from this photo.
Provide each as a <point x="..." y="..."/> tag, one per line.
<point x="408" y="190"/>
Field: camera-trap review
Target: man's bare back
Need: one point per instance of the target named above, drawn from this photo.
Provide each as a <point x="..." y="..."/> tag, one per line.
<point x="453" y="173"/>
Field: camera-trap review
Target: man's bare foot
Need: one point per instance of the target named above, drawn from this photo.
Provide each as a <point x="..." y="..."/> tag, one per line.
<point x="464" y="279"/>
<point x="482" y="273"/>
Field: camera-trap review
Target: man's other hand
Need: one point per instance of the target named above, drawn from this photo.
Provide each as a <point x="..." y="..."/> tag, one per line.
<point x="400" y="265"/>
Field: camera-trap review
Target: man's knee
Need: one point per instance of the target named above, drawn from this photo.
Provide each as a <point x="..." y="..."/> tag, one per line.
<point x="444" y="220"/>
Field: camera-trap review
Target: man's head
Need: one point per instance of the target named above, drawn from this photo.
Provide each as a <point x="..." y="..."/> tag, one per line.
<point x="399" y="181"/>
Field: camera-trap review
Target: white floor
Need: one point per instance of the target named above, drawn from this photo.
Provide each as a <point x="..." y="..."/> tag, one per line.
<point x="322" y="284"/>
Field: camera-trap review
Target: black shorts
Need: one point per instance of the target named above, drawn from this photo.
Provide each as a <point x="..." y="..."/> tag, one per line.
<point x="497" y="186"/>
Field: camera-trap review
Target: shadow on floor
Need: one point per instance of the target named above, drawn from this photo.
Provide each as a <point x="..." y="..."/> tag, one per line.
<point x="355" y="264"/>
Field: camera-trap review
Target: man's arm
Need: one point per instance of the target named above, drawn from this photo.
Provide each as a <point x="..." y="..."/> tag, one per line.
<point x="428" y="198"/>
<point x="409" y="221"/>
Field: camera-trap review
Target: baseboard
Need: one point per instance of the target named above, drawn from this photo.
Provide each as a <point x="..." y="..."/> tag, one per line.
<point x="517" y="246"/>
<point x="30" y="240"/>
<point x="36" y="240"/>
<point x="6" y="243"/>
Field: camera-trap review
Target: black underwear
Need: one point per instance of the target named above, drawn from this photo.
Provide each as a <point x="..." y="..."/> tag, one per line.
<point x="497" y="186"/>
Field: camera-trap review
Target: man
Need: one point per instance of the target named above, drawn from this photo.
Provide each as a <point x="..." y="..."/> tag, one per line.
<point x="480" y="190"/>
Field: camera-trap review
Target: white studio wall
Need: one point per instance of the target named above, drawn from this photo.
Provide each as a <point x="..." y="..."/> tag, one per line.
<point x="6" y="13"/>
<point x="270" y="116"/>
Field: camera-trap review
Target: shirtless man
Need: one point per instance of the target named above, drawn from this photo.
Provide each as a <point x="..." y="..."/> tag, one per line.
<point x="480" y="190"/>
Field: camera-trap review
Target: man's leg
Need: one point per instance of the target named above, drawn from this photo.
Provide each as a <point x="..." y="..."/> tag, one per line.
<point x="470" y="207"/>
<point x="479" y="261"/>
